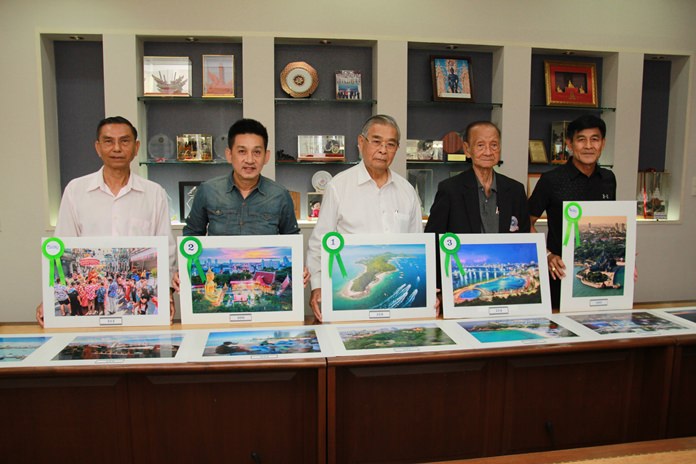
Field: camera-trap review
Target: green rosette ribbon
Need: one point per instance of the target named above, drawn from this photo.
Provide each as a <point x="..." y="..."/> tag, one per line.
<point x="572" y="214"/>
<point x="333" y="244"/>
<point x="450" y="244"/>
<point x="53" y="249"/>
<point x="191" y="248"/>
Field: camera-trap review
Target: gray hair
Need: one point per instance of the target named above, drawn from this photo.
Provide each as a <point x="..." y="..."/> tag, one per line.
<point x="381" y="119"/>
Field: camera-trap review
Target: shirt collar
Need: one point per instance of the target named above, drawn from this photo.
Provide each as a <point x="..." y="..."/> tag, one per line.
<point x="97" y="182"/>
<point x="260" y="186"/>
<point x="364" y="176"/>
<point x="575" y="172"/>
<point x="494" y="183"/>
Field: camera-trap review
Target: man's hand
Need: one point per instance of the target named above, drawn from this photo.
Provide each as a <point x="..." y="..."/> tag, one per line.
<point x="305" y="277"/>
<point x="556" y="266"/>
<point x="438" y="303"/>
<point x="39" y="314"/>
<point x="315" y="303"/>
<point x="175" y="282"/>
<point x="172" y="306"/>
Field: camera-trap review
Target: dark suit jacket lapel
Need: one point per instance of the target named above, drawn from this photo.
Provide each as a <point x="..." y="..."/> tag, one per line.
<point x="471" y="200"/>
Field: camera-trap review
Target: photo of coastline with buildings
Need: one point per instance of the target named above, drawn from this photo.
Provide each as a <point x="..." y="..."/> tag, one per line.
<point x="599" y="262"/>
<point x="688" y="314"/>
<point x="625" y="323"/>
<point x="496" y="273"/>
<point x="261" y="342"/>
<point x="130" y="346"/>
<point x="243" y="280"/>
<point x="13" y="349"/>
<point x="394" y="336"/>
<point x="518" y="329"/>
<point x="380" y="277"/>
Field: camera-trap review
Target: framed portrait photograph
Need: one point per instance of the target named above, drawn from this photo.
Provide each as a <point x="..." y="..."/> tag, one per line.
<point x="494" y="275"/>
<point x="218" y="76"/>
<point x="236" y="279"/>
<point x="623" y="324"/>
<point x="519" y="331"/>
<point x="314" y="200"/>
<point x="452" y="78"/>
<point x="537" y="152"/>
<point x="394" y="337"/>
<point x="377" y="276"/>
<point x="259" y="343"/>
<point x="187" y="191"/>
<point x="166" y="76"/>
<point x="599" y="250"/>
<point x="105" y="281"/>
<point x="348" y="85"/>
<point x="321" y="147"/>
<point x="571" y="84"/>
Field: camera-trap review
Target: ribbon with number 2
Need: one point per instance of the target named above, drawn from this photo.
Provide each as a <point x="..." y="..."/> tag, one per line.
<point x="191" y="248"/>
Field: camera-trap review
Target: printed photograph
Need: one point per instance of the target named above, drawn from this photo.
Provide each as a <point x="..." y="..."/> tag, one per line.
<point x="261" y="342"/>
<point x="380" y="277"/>
<point x="14" y="349"/>
<point x="107" y="282"/>
<point x="496" y="274"/>
<point x="128" y="346"/>
<point x="451" y="78"/>
<point x="394" y="336"/>
<point x="625" y="323"/>
<point x="600" y="260"/>
<point x="348" y="85"/>
<point x="254" y="279"/>
<point x="514" y="330"/>
<point x="688" y="314"/>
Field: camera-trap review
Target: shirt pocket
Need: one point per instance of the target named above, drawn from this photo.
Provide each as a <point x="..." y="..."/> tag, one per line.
<point x="223" y="221"/>
<point x="139" y="226"/>
<point x="264" y="222"/>
<point x="403" y="222"/>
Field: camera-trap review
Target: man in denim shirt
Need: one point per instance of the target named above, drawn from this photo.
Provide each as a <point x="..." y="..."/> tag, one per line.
<point x="244" y="202"/>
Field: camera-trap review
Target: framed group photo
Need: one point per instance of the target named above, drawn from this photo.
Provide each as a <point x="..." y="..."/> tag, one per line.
<point x="571" y="84"/>
<point x="241" y="279"/>
<point x="452" y="78"/>
<point x="105" y="281"/>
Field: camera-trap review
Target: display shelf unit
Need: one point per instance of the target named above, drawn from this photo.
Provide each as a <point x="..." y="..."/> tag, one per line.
<point x="321" y="113"/>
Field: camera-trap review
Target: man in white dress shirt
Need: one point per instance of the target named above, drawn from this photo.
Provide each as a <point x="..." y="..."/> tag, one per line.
<point x="114" y="200"/>
<point x="366" y="199"/>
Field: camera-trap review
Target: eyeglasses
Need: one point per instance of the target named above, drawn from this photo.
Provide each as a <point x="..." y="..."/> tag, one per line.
<point x="390" y="145"/>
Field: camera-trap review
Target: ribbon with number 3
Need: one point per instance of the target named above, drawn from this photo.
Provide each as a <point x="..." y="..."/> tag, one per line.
<point x="191" y="248"/>
<point x="450" y="244"/>
<point x="333" y="244"/>
<point x="53" y="249"/>
<point x="572" y="214"/>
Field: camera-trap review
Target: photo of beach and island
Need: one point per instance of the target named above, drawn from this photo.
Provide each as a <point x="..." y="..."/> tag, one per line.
<point x="242" y="280"/>
<point x="121" y="347"/>
<point x="386" y="276"/>
<point x="625" y="323"/>
<point x="599" y="262"/>
<point x="496" y="274"/>
<point x="261" y="342"/>
<point x="516" y="330"/>
<point x="16" y="349"/>
<point x="393" y="336"/>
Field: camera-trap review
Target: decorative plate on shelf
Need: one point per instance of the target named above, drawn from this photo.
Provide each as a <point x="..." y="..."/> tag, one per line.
<point x="320" y="179"/>
<point x="160" y="147"/>
<point x="298" y="79"/>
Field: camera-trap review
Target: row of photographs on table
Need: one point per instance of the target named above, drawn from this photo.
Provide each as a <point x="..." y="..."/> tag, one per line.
<point x="278" y="343"/>
<point x="124" y="281"/>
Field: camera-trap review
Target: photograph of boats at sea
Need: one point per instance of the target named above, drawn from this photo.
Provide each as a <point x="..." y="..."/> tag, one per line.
<point x="496" y="273"/>
<point x="626" y="323"/>
<point x="599" y="262"/>
<point x="386" y="276"/>
<point x="516" y="330"/>
<point x="121" y="346"/>
<point x="16" y="349"/>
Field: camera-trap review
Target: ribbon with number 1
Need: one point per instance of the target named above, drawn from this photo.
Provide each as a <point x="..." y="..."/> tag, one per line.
<point x="449" y="244"/>
<point x="53" y="249"/>
<point x="572" y="214"/>
<point x="191" y="248"/>
<point x="333" y="244"/>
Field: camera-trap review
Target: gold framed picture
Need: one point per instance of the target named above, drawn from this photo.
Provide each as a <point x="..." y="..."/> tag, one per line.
<point x="537" y="152"/>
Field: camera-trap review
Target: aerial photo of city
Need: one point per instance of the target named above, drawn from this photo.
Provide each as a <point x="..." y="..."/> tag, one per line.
<point x="13" y="349"/>
<point x="129" y="346"/>
<point x="518" y="329"/>
<point x="243" y="280"/>
<point x="496" y="273"/>
<point x="261" y="342"/>
<point x="600" y="259"/>
<point x="380" y="277"/>
<point x="394" y="336"/>
<point x="625" y="323"/>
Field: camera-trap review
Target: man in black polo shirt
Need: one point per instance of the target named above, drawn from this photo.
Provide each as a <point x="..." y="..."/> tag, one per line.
<point x="580" y="179"/>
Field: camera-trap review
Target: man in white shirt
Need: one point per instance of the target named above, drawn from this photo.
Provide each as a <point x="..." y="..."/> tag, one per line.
<point x="366" y="199"/>
<point x="113" y="200"/>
